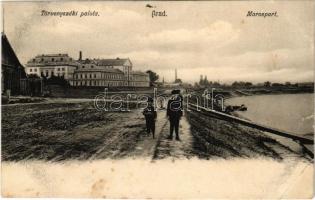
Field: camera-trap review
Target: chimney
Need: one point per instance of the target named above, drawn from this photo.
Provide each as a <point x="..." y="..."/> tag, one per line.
<point x="80" y="55"/>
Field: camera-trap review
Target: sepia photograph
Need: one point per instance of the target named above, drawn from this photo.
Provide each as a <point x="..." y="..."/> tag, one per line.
<point x="157" y="99"/>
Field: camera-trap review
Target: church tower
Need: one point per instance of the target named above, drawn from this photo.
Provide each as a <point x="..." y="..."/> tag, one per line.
<point x="175" y="74"/>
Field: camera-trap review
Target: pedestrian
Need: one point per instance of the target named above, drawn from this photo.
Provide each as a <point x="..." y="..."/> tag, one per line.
<point x="174" y="112"/>
<point x="150" y="117"/>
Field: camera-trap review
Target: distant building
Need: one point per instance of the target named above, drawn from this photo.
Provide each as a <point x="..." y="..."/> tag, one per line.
<point x="11" y="69"/>
<point x="89" y="72"/>
<point x="52" y="65"/>
<point x="139" y="79"/>
<point x="122" y="65"/>
<point x="306" y="84"/>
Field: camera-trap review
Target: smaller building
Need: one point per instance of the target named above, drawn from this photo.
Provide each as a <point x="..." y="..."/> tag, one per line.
<point x="139" y="79"/>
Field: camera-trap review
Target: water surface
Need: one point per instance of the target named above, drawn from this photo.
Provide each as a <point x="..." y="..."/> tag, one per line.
<point x="288" y="112"/>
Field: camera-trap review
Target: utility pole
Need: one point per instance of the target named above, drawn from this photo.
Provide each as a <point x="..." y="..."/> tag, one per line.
<point x="2" y="18"/>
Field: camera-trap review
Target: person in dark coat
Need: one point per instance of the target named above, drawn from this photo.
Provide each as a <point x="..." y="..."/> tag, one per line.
<point x="150" y="117"/>
<point x="174" y="112"/>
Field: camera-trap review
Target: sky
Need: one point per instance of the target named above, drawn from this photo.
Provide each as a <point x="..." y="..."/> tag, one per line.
<point x="212" y="38"/>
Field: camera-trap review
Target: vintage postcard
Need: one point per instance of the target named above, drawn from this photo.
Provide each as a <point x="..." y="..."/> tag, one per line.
<point x="157" y="99"/>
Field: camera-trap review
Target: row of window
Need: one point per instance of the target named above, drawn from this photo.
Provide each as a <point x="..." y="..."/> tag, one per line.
<point x="92" y="66"/>
<point x="97" y="83"/>
<point x="138" y="78"/>
<point x="62" y="69"/>
<point x="108" y="84"/>
<point x="106" y="76"/>
<point x="58" y="69"/>
<point x="52" y="59"/>
<point x="52" y="74"/>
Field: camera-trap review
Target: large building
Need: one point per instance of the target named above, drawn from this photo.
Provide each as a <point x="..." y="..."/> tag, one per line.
<point x="52" y="65"/>
<point x="88" y="72"/>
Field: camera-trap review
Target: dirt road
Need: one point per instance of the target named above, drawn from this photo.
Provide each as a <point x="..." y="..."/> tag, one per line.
<point x="75" y="130"/>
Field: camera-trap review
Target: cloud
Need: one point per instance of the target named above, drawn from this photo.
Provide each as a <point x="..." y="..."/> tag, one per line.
<point x="218" y="34"/>
<point x="209" y="38"/>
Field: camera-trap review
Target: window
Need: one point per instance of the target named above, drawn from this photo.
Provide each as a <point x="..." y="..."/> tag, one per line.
<point x="47" y="73"/>
<point x="35" y="70"/>
<point x="90" y="75"/>
<point x="63" y="69"/>
<point x="83" y="66"/>
<point x="31" y="70"/>
<point x="53" y="59"/>
<point x="85" y="75"/>
<point x="94" y="75"/>
<point x="61" y="59"/>
<point x="42" y="59"/>
<point x="58" y="69"/>
<point x="81" y="76"/>
<point x="34" y="60"/>
<point x="92" y="66"/>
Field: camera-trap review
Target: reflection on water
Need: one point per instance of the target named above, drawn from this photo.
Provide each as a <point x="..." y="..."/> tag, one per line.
<point x="289" y="112"/>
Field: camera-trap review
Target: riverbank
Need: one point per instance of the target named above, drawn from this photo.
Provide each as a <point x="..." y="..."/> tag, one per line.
<point x="270" y="90"/>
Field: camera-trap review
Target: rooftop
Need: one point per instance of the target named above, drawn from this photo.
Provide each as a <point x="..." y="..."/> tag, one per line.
<point x="111" y="62"/>
<point x="109" y="70"/>
<point x="139" y="73"/>
<point x="53" y="55"/>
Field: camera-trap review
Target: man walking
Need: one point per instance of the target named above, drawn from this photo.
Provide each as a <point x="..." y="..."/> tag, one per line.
<point x="174" y="112"/>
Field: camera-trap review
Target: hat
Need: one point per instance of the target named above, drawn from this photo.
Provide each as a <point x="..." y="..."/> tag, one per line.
<point x="150" y="99"/>
<point x="175" y="91"/>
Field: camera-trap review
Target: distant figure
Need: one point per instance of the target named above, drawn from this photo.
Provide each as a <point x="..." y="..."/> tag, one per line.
<point x="174" y="112"/>
<point x="150" y="117"/>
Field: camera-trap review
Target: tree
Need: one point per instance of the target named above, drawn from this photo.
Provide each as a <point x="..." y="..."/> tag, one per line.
<point x="248" y="84"/>
<point x="267" y="84"/>
<point x="235" y="84"/>
<point x="178" y="81"/>
<point x="276" y="85"/>
<point x="153" y="76"/>
<point x="206" y="82"/>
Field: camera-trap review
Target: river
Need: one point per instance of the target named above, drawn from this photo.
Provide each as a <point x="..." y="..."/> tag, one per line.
<point x="289" y="112"/>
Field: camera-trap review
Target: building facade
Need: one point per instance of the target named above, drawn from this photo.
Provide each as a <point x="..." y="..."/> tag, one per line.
<point x="89" y="72"/>
<point x="139" y="79"/>
<point x="52" y="65"/>
<point x="11" y="69"/>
